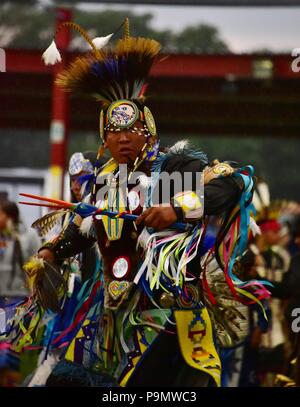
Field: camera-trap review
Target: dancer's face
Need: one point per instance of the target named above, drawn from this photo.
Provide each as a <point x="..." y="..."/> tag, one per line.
<point x="125" y="145"/>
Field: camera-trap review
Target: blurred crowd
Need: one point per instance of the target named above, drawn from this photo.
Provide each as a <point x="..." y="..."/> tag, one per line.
<point x="17" y="245"/>
<point x="269" y="355"/>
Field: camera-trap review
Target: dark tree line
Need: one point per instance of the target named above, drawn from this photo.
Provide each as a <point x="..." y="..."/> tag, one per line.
<point x="29" y="25"/>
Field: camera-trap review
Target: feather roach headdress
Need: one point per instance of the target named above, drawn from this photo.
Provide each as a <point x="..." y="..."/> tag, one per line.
<point x="112" y="74"/>
<point x="116" y="77"/>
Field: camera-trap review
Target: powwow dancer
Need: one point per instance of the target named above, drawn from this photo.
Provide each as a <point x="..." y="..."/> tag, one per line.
<point x="166" y="298"/>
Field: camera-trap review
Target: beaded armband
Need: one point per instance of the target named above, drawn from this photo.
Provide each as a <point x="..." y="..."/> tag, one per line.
<point x="218" y="170"/>
<point x="190" y="204"/>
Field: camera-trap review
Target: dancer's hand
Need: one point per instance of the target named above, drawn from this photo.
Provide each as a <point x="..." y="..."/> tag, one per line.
<point x="158" y="217"/>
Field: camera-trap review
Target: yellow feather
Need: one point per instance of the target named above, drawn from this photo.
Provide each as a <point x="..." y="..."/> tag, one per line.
<point x="74" y="72"/>
<point x="137" y="45"/>
<point x="34" y="269"/>
<point x="126" y="28"/>
<point x="83" y="33"/>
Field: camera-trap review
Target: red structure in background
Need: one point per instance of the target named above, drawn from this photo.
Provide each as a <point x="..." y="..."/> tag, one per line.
<point x="191" y="95"/>
<point x="59" y="127"/>
<point x="237" y="95"/>
<point x="174" y="65"/>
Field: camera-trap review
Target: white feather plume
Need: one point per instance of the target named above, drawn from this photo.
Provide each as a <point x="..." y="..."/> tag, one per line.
<point x="264" y="193"/>
<point x="256" y="201"/>
<point x="51" y="56"/>
<point x="44" y="370"/>
<point x="179" y="146"/>
<point x="100" y="42"/>
<point x="82" y="191"/>
<point x="145" y="181"/>
<point x="255" y="229"/>
<point x="86" y="225"/>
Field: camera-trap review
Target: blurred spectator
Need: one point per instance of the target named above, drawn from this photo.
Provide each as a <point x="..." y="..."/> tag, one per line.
<point x="270" y="234"/>
<point x="288" y="290"/>
<point x="17" y="244"/>
<point x="81" y="171"/>
<point x="252" y="261"/>
<point x="241" y="363"/>
<point x="289" y="287"/>
<point x="84" y="265"/>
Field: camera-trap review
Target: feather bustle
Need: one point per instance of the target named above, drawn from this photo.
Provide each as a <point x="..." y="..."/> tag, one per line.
<point x="46" y="282"/>
<point x="47" y="222"/>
